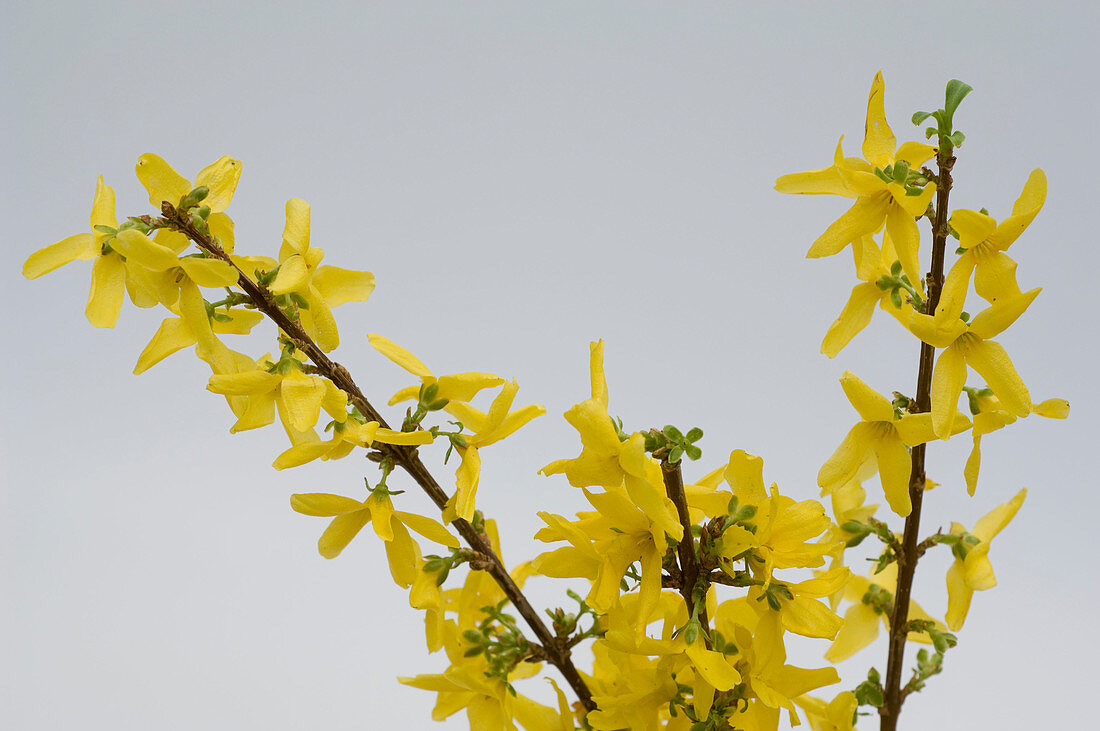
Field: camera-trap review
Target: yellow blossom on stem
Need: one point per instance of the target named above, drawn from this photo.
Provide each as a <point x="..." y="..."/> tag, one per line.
<point x="836" y="715"/>
<point x="985" y="242"/>
<point x="970" y="344"/>
<point x="883" y="436"/>
<point x="871" y="598"/>
<point x="871" y="266"/>
<point x="320" y="287"/>
<point x="881" y="197"/>
<point x="112" y="275"/>
<point x="972" y="570"/>
<point x="282" y="387"/>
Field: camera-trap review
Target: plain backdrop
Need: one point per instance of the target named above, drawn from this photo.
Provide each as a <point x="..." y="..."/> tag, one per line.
<point x="522" y="178"/>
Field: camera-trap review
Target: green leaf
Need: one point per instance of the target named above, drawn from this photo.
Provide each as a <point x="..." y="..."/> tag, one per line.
<point x="957" y="138"/>
<point x="673" y="433"/>
<point x="693" y="452"/>
<point x="919" y="117"/>
<point x="895" y="268"/>
<point x="956" y="92"/>
<point x="675" y="454"/>
<point x="694" y="435"/>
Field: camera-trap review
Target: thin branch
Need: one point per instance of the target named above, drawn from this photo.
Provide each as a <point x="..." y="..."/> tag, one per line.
<point x="685" y="550"/>
<point x="407" y="457"/>
<point x="907" y="557"/>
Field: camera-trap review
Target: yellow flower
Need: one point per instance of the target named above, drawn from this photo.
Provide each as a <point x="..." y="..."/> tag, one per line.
<point x="175" y="334"/>
<point x="969" y="344"/>
<point x="871" y="265"/>
<point x="282" y="386"/>
<point x="972" y="571"/>
<point x="457" y="387"/>
<point x="836" y="715"/>
<point x="881" y="435"/>
<point x="990" y="415"/>
<point x="111" y="274"/>
<point x="322" y="288"/>
<point x="391" y="526"/>
<point x="985" y="242"/>
<point x="877" y="201"/>
<point x="607" y="462"/>
<point x="871" y="600"/>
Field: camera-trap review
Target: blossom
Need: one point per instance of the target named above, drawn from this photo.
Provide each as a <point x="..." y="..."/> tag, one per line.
<point x="282" y="387"/>
<point x="320" y="287"/>
<point x="969" y="344"/>
<point x="868" y="611"/>
<point x="881" y="434"/>
<point x="881" y="198"/>
<point x="985" y="242"/>
<point x="111" y="274"/>
<point x="972" y="570"/>
<point x="608" y="462"/>
<point x="871" y="267"/>
<point x="836" y="715"/>
<point x="990" y="415"/>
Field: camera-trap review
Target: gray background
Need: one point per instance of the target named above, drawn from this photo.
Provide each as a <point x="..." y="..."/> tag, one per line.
<point x="521" y="178"/>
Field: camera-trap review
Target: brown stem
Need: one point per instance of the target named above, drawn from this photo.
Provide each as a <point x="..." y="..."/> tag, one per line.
<point x="407" y="457"/>
<point x="907" y="557"/>
<point x="685" y="550"/>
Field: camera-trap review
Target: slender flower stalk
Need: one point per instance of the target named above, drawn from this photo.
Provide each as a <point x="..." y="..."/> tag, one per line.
<point x="909" y="554"/>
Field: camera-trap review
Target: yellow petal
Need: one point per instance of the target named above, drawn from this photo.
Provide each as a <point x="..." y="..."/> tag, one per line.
<point x="324" y="505"/>
<point x="341" y="531"/>
<point x="467" y="477"/>
<point x="296" y="230"/>
<point x="878" y="139"/>
<point x="853" y="318"/>
<point x="57" y="255"/>
<point x="996" y="318"/>
<point x="948" y="379"/>
<point x="402" y="555"/>
<point x="406" y="438"/>
<point x="915" y="429"/>
<point x="973" y="465"/>
<point x="464" y="386"/>
<point x="973" y="227"/>
<point x="1052" y="408"/>
<point x="221" y="178"/>
<point x="302" y="395"/>
<point x="399" y="355"/>
<point x="108" y="287"/>
<point x="871" y="405"/>
<point x="243" y="384"/>
<point x="1025" y="209"/>
<point x="995" y="277"/>
<point x="915" y="153"/>
<point x="810" y="618"/>
<point x="300" y="454"/>
<point x="209" y="272"/>
<point x="135" y="245"/>
<point x="866" y="216"/>
<point x="848" y="457"/>
<point x="713" y="666"/>
<point x="340" y="286"/>
<point x="103" y="206"/>
<point x="861" y="627"/>
<point x="902" y="230"/>
<point x="894" y="467"/>
<point x="172" y="335"/>
<point x="955" y="288"/>
<point x="992" y="363"/>
<point x="958" y="597"/>
<point x="160" y="180"/>
<point x="430" y="529"/>
<point x="221" y="228"/>
<point x="293" y="275"/>
<point x="995" y="520"/>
